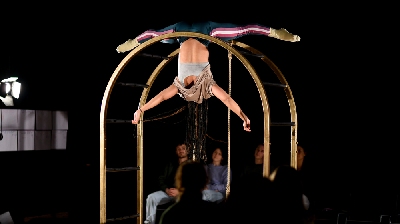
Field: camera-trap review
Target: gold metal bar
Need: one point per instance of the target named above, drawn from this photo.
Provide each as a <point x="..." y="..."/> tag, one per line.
<point x="102" y="172"/>
<point x="139" y="177"/>
<point x="289" y="95"/>
<point x="124" y="169"/>
<point x="103" y="115"/>
<point x="123" y="218"/>
<point x="143" y="99"/>
<point x="267" y="143"/>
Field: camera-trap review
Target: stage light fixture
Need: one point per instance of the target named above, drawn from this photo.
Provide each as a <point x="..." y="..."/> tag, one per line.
<point x="8" y="88"/>
<point x="12" y="90"/>
<point x="15" y="89"/>
<point x="8" y="100"/>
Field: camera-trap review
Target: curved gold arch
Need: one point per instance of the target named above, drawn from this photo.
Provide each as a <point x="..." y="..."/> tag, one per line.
<point x="139" y="158"/>
<point x="111" y="84"/>
<point x="289" y="95"/>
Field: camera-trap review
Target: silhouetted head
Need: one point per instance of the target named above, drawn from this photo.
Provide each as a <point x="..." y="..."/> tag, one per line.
<point x="289" y="194"/>
<point x="191" y="177"/>
<point x="285" y="176"/>
<point x="251" y="199"/>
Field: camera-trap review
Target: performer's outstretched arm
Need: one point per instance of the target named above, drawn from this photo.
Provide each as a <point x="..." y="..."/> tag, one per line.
<point x="231" y="104"/>
<point x="163" y="95"/>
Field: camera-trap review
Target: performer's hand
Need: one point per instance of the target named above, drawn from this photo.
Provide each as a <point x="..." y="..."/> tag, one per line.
<point x="246" y="125"/>
<point x="136" y="117"/>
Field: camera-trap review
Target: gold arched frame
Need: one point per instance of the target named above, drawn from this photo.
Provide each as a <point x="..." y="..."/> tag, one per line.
<point x="289" y="95"/>
<point x="111" y="84"/>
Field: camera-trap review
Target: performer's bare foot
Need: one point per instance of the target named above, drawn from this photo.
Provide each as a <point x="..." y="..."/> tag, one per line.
<point x="283" y="34"/>
<point x="127" y="46"/>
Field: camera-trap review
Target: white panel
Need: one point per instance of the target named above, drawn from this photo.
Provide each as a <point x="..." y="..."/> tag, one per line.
<point x="9" y="142"/>
<point x="10" y="119"/>
<point x="43" y="120"/>
<point x="42" y="140"/>
<point x="26" y="119"/>
<point x="59" y="139"/>
<point x="6" y="218"/>
<point x="60" y="120"/>
<point x="26" y="140"/>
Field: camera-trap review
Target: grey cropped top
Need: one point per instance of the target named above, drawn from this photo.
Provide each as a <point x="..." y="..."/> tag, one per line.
<point x="187" y="69"/>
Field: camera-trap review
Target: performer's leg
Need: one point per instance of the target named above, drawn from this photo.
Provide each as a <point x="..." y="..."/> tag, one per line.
<point x="155" y="33"/>
<point x="145" y="36"/>
<point x="230" y="31"/>
<point x="152" y="201"/>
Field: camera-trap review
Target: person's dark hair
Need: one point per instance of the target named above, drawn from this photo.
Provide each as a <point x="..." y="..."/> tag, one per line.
<point x="304" y="149"/>
<point x="261" y="191"/>
<point x="288" y="189"/>
<point x="258" y="145"/>
<point x="286" y="176"/>
<point x="178" y="143"/>
<point x="224" y="152"/>
<point x="191" y="177"/>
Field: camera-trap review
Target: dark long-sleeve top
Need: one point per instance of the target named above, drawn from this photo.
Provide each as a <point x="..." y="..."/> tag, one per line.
<point x="252" y="169"/>
<point x="167" y="178"/>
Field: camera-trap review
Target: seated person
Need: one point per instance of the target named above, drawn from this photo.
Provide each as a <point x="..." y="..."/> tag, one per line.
<point x="289" y="195"/>
<point x="251" y="199"/>
<point x="255" y="168"/>
<point x="191" y="180"/>
<point x="217" y="172"/>
<point x="168" y="192"/>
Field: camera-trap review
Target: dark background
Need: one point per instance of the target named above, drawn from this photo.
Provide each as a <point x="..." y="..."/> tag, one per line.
<point x="64" y="55"/>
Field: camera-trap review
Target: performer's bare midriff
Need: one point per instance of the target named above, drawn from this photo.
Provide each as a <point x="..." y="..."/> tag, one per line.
<point x="192" y="51"/>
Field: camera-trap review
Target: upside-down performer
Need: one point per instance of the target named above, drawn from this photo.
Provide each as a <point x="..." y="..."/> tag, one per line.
<point x="194" y="81"/>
